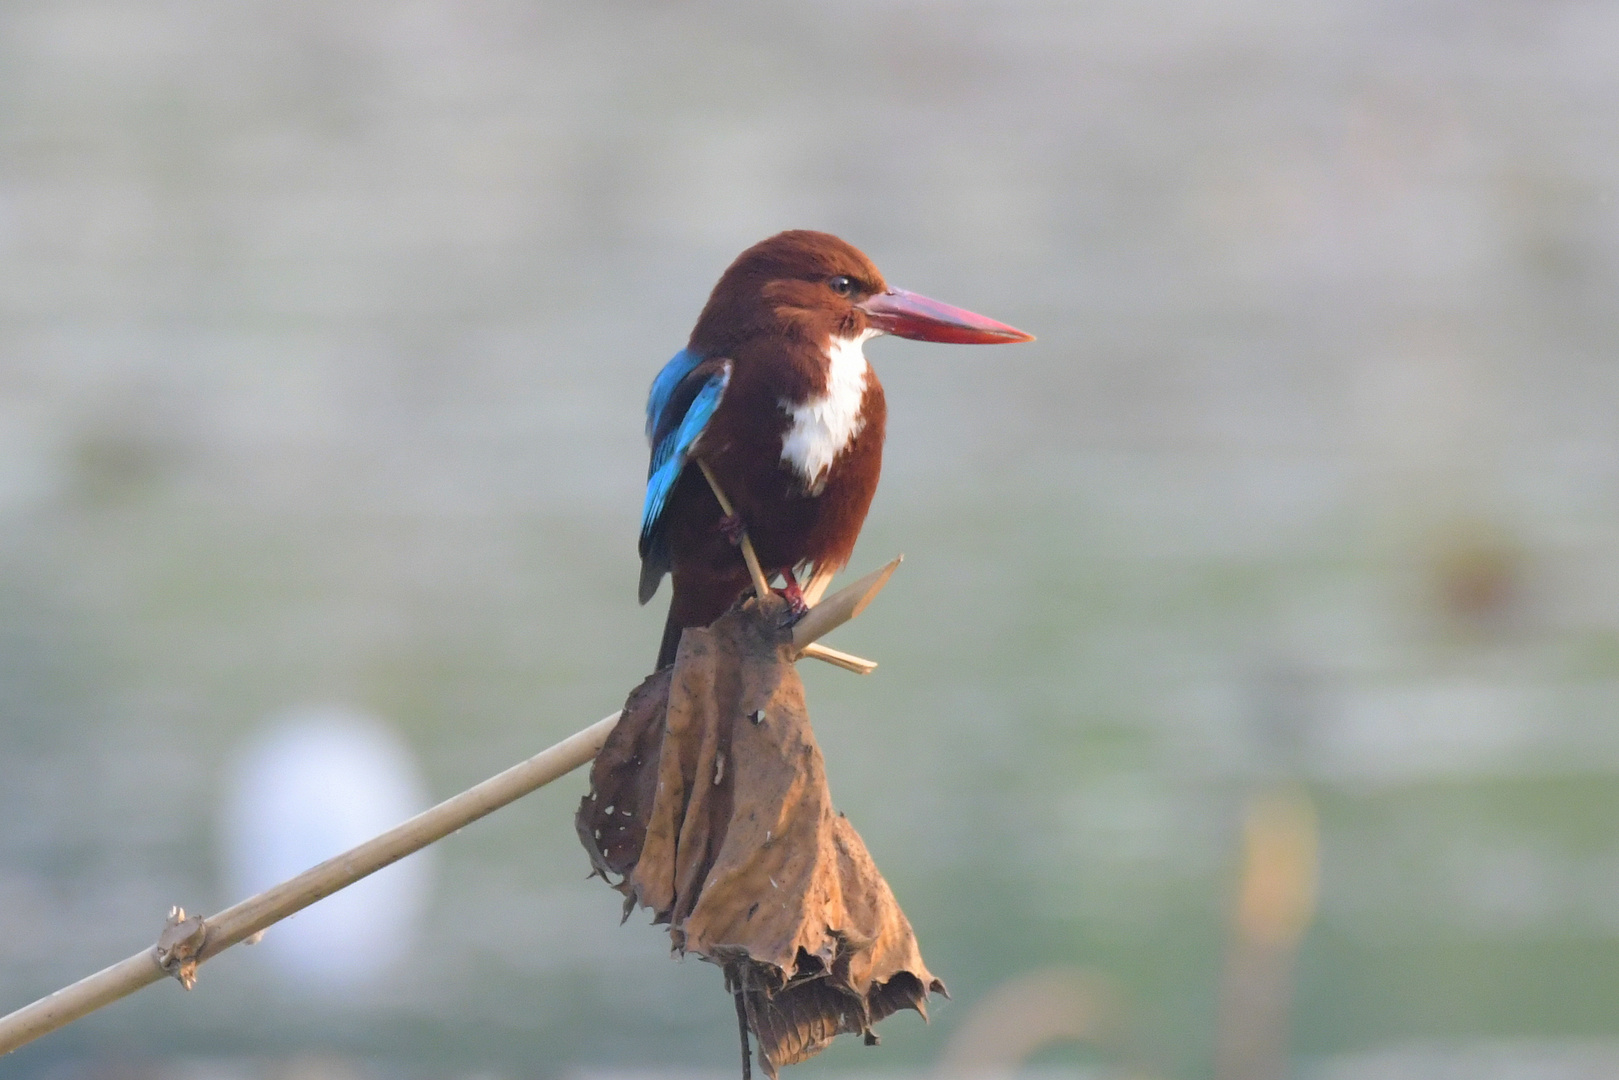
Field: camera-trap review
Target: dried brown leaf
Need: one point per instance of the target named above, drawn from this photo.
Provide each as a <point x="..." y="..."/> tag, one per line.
<point x="709" y="806"/>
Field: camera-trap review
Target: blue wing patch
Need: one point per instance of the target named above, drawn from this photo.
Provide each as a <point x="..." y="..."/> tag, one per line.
<point x="669" y="452"/>
<point x="683" y="363"/>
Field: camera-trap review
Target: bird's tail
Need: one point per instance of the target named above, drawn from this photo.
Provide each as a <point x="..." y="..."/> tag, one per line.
<point x="700" y="597"/>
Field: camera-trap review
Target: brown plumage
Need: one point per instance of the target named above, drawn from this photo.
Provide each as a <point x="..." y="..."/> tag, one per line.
<point x="796" y="436"/>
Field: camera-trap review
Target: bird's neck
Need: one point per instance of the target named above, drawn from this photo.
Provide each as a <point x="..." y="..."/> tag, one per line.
<point x="823" y="425"/>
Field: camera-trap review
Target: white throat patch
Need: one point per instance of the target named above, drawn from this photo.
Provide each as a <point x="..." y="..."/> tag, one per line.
<point x="824" y="426"/>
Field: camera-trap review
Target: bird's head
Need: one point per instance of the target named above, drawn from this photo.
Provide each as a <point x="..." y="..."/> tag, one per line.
<point x="814" y="287"/>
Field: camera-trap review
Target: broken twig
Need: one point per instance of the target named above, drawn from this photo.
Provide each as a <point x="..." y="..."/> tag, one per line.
<point x="817" y="585"/>
<point x="842" y="605"/>
<point x="761" y="583"/>
<point x="839" y="658"/>
<point x="812" y="594"/>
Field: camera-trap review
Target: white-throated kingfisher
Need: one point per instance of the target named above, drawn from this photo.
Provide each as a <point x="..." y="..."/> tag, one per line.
<point x="773" y="393"/>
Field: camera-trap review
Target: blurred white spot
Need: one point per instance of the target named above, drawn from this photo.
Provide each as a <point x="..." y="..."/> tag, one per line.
<point x="317" y="783"/>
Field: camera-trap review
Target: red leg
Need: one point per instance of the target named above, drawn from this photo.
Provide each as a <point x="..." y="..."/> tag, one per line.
<point x="796" y="607"/>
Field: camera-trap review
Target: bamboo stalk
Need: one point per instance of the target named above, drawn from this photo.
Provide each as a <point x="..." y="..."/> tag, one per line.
<point x="82" y="998"/>
<point x="185" y="943"/>
<point x="252" y="915"/>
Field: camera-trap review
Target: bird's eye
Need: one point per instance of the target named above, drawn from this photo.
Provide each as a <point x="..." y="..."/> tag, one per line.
<point x="841" y="285"/>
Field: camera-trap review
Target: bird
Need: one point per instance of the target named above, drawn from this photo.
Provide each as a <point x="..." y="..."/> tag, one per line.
<point x="773" y="395"/>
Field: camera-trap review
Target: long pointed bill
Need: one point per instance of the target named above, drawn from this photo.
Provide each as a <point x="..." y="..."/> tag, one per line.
<point x="912" y="315"/>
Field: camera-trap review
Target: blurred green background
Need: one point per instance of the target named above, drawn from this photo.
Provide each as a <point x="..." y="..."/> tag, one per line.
<point x="325" y="330"/>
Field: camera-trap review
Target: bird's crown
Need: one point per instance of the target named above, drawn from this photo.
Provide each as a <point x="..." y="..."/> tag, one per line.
<point x="800" y="283"/>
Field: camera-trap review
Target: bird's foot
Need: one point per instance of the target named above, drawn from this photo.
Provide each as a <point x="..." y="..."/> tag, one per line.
<point x="731" y="525"/>
<point x="796" y="607"/>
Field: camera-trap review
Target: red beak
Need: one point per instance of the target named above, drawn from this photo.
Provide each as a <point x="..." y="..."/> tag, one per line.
<point x="912" y="315"/>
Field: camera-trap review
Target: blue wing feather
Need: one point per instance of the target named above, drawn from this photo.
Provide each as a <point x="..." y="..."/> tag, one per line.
<point x="663" y="387"/>
<point x="669" y="455"/>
